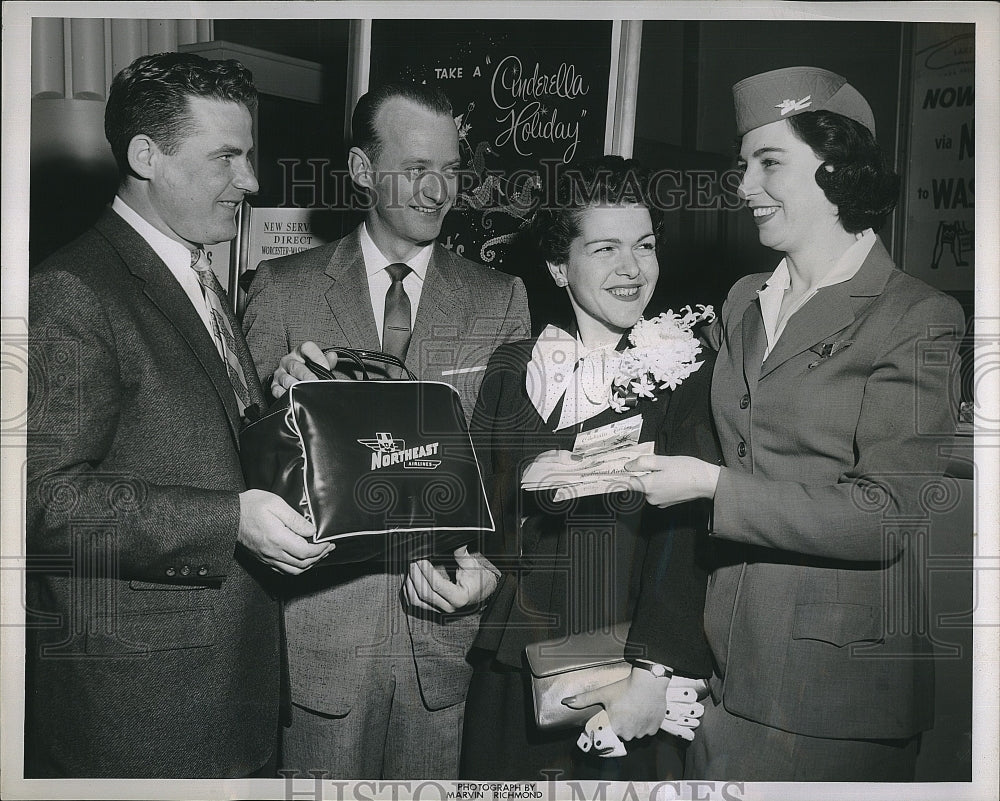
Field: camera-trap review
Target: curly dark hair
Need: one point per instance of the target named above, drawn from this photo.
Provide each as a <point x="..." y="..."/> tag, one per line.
<point x="150" y="96"/>
<point x="364" y="133"/>
<point x="861" y="184"/>
<point x="598" y="181"/>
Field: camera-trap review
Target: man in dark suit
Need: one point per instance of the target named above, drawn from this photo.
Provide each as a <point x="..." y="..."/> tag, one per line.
<point x="378" y="687"/>
<point x="153" y="649"/>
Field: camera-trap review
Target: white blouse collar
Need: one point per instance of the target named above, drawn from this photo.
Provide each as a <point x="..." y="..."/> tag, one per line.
<point x="552" y="375"/>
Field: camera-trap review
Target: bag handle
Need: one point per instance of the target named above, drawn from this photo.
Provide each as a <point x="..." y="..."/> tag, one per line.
<point x="358" y="357"/>
<point x="379" y="356"/>
<point x="323" y="372"/>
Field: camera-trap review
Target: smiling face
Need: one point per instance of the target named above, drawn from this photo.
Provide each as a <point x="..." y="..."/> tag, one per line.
<point x="194" y="192"/>
<point x="414" y="178"/>
<point x="779" y="187"/>
<point x="610" y="272"/>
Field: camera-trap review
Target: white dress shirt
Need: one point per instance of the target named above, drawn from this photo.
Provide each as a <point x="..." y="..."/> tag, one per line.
<point x="176" y="256"/>
<point x="774" y="290"/>
<point x="379" y="280"/>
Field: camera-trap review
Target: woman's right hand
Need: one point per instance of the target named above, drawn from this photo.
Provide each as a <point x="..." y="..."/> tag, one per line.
<point x="636" y="705"/>
<point x="642" y="704"/>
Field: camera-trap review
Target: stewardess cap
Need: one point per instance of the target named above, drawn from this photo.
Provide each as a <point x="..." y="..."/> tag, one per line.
<point x="779" y="94"/>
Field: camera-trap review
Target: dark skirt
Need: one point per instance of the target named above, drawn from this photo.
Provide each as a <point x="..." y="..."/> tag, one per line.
<point x="501" y="742"/>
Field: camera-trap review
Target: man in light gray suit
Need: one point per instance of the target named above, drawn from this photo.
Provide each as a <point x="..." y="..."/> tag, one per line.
<point x="378" y="681"/>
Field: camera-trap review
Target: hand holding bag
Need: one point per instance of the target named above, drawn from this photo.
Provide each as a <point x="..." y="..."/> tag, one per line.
<point x="579" y="663"/>
<point x="572" y="665"/>
<point x="379" y="466"/>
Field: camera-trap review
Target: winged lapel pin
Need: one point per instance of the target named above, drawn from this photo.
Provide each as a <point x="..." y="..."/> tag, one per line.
<point x="827" y="349"/>
<point x="787" y="106"/>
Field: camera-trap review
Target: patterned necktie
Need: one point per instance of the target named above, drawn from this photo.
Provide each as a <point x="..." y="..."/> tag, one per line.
<point x="396" y="323"/>
<point x="222" y="326"/>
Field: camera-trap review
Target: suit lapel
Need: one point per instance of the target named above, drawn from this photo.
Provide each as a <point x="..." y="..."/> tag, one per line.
<point x="163" y="291"/>
<point x="754" y="343"/>
<point x="442" y="302"/>
<point x="349" y="296"/>
<point x="831" y="309"/>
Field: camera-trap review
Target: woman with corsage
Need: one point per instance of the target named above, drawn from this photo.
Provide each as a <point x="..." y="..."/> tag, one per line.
<point x="831" y="396"/>
<point x="575" y="562"/>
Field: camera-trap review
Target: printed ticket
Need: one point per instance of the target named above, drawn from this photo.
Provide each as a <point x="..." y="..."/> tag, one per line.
<point x="618" y="434"/>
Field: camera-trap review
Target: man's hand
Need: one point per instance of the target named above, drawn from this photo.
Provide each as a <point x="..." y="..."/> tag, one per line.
<point x="277" y="535"/>
<point x="428" y="587"/>
<point x="292" y="367"/>
<point x="673" y="479"/>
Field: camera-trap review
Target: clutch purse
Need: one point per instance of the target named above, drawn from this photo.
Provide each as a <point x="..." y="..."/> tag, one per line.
<point x="379" y="466"/>
<point x="572" y="665"/>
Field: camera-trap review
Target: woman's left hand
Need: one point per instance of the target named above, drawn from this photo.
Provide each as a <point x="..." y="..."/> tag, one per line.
<point x="673" y="479"/>
<point x="636" y="705"/>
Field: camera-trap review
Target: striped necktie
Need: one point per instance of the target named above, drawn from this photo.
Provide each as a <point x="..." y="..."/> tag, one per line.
<point x="222" y="325"/>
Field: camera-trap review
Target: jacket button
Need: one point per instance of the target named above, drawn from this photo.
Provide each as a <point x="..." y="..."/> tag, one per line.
<point x="745" y="402"/>
<point x="171" y="571"/>
<point x="741" y="450"/>
<point x="186" y="570"/>
<point x="202" y="571"/>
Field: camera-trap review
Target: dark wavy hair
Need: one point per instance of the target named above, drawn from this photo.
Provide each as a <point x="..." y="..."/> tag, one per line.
<point x="150" y="96"/>
<point x="364" y="133"/>
<point x="598" y="181"/>
<point x="861" y="184"/>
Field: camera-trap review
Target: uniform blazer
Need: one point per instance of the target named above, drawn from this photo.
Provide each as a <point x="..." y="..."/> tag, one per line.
<point x="152" y="651"/>
<point x="816" y="617"/>
<point x="322" y="295"/>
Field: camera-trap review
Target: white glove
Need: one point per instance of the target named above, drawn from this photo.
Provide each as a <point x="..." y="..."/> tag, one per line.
<point x="683" y="709"/>
<point x="681" y="719"/>
<point x="598" y="736"/>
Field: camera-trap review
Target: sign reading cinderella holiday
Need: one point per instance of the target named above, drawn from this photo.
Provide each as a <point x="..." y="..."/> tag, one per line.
<point x="528" y="95"/>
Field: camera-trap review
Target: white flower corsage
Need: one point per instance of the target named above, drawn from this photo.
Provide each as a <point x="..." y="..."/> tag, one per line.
<point x="662" y="355"/>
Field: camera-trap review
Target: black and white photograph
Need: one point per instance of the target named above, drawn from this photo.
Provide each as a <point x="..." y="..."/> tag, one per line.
<point x="500" y="400"/>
